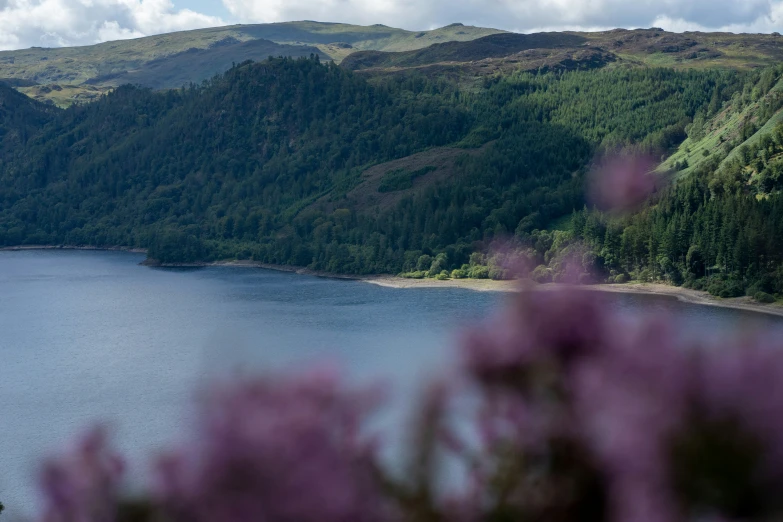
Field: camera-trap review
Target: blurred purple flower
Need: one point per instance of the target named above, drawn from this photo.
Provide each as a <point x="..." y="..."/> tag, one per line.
<point x="550" y="327"/>
<point x="81" y="486"/>
<point x="628" y="400"/>
<point x="622" y="182"/>
<point x="744" y="382"/>
<point x="277" y="449"/>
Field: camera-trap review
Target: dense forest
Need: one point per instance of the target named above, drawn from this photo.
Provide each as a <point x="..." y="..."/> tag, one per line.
<point x="717" y="230"/>
<point x="264" y="162"/>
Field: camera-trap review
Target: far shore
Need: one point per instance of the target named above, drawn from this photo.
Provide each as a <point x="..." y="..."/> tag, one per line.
<point x="487" y="285"/>
<point x="73" y="247"/>
<point x="481" y="285"/>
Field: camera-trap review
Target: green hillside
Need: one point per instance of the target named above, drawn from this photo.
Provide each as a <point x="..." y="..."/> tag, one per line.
<point x="493" y="46"/>
<point x="305" y="163"/>
<point x="169" y="60"/>
<point x="717" y="227"/>
<point x="456" y="52"/>
<point x="406" y="160"/>
<point x="20" y="119"/>
<point x="743" y="121"/>
<point x="503" y="53"/>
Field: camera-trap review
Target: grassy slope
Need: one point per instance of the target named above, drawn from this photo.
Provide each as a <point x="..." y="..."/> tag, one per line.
<point x="574" y="50"/>
<point x="145" y="58"/>
<point x="196" y="65"/>
<point x="455" y="51"/>
<point x="492" y="46"/>
<point x="655" y="47"/>
<point x="725" y="126"/>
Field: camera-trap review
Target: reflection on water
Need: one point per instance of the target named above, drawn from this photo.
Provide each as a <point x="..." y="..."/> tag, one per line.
<point x="88" y="336"/>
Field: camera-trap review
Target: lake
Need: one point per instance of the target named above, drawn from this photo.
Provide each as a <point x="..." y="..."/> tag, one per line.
<point x="91" y="336"/>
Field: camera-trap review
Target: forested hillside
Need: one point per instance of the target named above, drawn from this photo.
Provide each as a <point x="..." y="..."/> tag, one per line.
<point x="269" y="162"/>
<point x="718" y="227"/>
<point x="20" y="118"/>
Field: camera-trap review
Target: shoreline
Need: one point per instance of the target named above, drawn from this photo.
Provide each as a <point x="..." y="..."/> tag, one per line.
<point x="488" y="285"/>
<point x="686" y="295"/>
<point x="480" y="285"/>
<point x="20" y="248"/>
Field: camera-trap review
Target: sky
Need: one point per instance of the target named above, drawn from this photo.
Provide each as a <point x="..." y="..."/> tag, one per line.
<point x="54" y="23"/>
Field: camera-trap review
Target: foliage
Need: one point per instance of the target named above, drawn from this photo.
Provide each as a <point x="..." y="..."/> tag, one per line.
<point x="763" y="297"/>
<point x="401" y="179"/>
<point x="716" y="229"/>
<point x="263" y="162"/>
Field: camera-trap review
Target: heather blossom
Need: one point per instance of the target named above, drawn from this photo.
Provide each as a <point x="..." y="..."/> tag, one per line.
<point x="629" y="400"/>
<point x="622" y="182"/>
<point x="82" y="485"/>
<point x="542" y="329"/>
<point x="276" y="450"/>
<point x="651" y="427"/>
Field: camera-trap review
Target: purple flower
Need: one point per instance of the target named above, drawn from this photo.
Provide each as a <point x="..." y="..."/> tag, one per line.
<point x="622" y="182"/>
<point x="81" y="486"/>
<point x="628" y="401"/>
<point x="542" y="327"/>
<point x="743" y="382"/>
<point x="277" y="449"/>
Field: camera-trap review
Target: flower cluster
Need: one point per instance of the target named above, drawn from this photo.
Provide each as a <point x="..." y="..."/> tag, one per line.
<point x="659" y="428"/>
<point x="622" y="182"/>
<point x="82" y="485"/>
<point x="276" y="450"/>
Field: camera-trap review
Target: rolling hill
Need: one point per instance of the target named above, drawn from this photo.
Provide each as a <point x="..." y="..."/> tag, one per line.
<point x="455" y="52"/>
<point x="170" y="60"/>
<point x="571" y="50"/>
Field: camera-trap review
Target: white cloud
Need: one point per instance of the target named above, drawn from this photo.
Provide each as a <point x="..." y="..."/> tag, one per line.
<point x="522" y="15"/>
<point x="51" y="23"/>
<point x="77" y="22"/>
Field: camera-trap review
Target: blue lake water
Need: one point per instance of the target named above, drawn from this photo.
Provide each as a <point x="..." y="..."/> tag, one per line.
<point x="92" y="336"/>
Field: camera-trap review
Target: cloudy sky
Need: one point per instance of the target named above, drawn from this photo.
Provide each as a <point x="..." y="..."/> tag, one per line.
<point x="50" y="23"/>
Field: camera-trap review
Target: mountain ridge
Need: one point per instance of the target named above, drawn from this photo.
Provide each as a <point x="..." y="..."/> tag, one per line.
<point x="70" y="68"/>
<point x="454" y="52"/>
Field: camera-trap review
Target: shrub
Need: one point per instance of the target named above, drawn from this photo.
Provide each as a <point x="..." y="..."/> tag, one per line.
<point x="498" y="274"/>
<point x="726" y="288"/>
<point x="699" y="284"/>
<point x="479" y="272"/>
<point x="763" y="297"/>
<point x="541" y="274"/>
<point x="424" y="262"/>
<point x="443" y="276"/>
<point x="586" y="279"/>
<point x="621" y="279"/>
<point x="459" y="273"/>
<point x="438" y="265"/>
